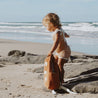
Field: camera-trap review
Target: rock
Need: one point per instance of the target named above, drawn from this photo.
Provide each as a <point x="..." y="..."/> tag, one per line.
<point x="10" y="93"/>
<point x="82" y="58"/>
<point x="1" y="65"/>
<point x="16" y="53"/>
<point x="89" y="87"/>
<point x="21" y="57"/>
<point x="84" y="79"/>
<point x="35" y="59"/>
<point x="91" y="56"/>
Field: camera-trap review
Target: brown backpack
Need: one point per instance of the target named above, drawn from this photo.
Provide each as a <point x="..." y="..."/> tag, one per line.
<point x="51" y="73"/>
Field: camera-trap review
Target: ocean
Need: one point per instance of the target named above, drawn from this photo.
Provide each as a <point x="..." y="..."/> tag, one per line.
<point x="83" y="35"/>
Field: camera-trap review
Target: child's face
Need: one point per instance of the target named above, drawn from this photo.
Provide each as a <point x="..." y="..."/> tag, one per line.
<point x="50" y="27"/>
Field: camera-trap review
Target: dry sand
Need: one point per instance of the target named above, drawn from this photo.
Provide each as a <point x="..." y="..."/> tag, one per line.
<point x="24" y="81"/>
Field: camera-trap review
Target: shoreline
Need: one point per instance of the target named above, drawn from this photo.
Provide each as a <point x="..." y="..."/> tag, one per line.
<point x="30" y="47"/>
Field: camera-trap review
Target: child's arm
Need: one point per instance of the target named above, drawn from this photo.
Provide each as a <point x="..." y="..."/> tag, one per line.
<point x="55" y="43"/>
<point x="66" y="35"/>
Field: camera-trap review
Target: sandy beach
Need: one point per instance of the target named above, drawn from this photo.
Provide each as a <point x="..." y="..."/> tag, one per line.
<point x="21" y="72"/>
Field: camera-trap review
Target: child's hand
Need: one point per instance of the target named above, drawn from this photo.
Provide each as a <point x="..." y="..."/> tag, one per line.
<point x="50" y="53"/>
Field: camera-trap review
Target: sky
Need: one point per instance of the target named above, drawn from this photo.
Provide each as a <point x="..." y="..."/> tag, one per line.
<point x="35" y="10"/>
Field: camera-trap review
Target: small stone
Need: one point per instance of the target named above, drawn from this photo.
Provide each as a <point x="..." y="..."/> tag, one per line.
<point x="10" y="93"/>
<point x="18" y="95"/>
<point x="22" y="85"/>
<point x="6" y="88"/>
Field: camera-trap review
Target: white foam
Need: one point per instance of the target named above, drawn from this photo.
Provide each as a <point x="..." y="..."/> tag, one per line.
<point x="17" y="27"/>
<point x="79" y="24"/>
<point x="24" y="31"/>
<point x="95" y="23"/>
<point x="20" y="38"/>
<point x="81" y="28"/>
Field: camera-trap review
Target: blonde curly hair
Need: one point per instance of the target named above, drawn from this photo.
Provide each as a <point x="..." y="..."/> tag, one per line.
<point x="53" y="18"/>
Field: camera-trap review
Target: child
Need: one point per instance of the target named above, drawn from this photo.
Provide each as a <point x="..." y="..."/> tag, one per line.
<point x="52" y="23"/>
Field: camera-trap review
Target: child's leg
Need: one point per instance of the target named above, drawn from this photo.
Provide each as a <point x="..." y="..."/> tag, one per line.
<point x="56" y="58"/>
<point x="61" y="64"/>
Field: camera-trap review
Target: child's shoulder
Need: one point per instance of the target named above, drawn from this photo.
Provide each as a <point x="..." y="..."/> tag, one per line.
<point x="59" y="31"/>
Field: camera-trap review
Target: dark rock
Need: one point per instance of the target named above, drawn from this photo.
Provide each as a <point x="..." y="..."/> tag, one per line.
<point x="16" y="53"/>
<point x="29" y="54"/>
<point x="91" y="56"/>
<point x="83" y="58"/>
<point x="1" y="66"/>
<point x="10" y="93"/>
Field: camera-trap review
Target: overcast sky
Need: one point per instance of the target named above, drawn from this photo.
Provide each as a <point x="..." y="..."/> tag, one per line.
<point x="35" y="10"/>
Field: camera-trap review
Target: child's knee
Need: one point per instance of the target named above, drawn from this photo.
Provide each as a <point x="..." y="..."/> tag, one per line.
<point x="61" y="69"/>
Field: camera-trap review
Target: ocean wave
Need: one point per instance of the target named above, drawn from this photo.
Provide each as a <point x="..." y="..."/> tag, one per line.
<point x="22" y="23"/>
<point x="95" y="23"/>
<point x="17" y="27"/>
<point x="24" y="31"/>
<point x="75" y="29"/>
<point x="91" y="27"/>
<point x="80" y="24"/>
<point x="81" y="28"/>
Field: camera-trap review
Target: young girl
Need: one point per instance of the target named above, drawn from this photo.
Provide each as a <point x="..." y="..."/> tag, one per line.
<point x="62" y="50"/>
